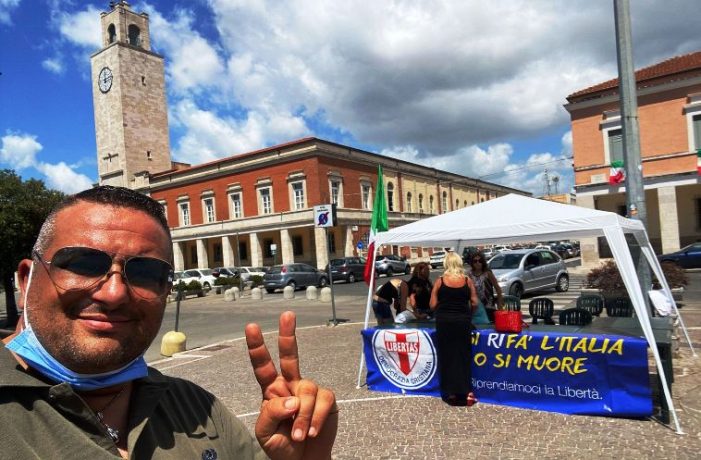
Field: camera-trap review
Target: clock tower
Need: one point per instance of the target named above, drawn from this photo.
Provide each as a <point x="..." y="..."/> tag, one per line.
<point x="131" y="117"/>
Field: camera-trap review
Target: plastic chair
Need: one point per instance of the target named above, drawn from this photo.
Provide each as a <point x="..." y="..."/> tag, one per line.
<point x="512" y="303"/>
<point x="542" y="308"/>
<point x="594" y="304"/>
<point x="575" y="317"/>
<point x="619" y="307"/>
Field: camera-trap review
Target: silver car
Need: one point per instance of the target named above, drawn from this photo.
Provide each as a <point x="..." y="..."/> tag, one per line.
<point x="528" y="270"/>
<point x="391" y="264"/>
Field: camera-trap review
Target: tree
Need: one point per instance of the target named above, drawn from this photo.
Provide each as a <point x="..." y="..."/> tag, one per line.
<point x="23" y="208"/>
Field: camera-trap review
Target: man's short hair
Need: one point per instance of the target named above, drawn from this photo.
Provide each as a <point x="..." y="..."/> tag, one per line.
<point x="108" y="195"/>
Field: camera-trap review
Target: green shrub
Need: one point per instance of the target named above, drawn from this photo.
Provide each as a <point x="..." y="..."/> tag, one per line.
<point x="256" y="280"/>
<point x="227" y="281"/>
<point x="607" y="279"/>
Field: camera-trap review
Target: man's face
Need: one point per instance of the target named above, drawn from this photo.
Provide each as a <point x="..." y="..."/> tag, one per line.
<point x="106" y="326"/>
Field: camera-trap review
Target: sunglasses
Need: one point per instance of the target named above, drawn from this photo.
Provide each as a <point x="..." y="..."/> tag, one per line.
<point x="79" y="268"/>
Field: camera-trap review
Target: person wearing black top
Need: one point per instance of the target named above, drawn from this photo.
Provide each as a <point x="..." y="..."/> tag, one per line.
<point x="393" y="292"/>
<point x="453" y="299"/>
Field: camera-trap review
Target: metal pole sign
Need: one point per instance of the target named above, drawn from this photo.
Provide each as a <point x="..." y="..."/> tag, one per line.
<point x="325" y="215"/>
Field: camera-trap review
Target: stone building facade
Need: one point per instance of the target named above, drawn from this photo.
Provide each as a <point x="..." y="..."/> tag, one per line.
<point x="669" y="114"/>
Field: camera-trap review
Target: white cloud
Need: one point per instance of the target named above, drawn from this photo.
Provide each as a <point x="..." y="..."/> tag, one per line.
<point x="6" y="7"/>
<point x="61" y="177"/>
<point x="193" y="62"/>
<point x="19" y="151"/>
<point x="81" y="28"/>
<point x="54" y="65"/>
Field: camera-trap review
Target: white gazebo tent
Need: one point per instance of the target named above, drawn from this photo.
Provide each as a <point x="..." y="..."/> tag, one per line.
<point x="516" y="218"/>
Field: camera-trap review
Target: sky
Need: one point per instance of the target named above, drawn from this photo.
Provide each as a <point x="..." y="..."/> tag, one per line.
<point x="467" y="86"/>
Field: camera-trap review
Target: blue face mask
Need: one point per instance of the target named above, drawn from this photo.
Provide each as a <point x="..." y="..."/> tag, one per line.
<point x="27" y="345"/>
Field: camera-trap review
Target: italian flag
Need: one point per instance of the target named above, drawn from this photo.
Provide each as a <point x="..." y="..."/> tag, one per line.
<point x="616" y="173"/>
<point x="378" y="224"/>
<point x="698" y="162"/>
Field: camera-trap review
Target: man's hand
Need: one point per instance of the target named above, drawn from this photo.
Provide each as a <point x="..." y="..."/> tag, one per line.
<point x="297" y="418"/>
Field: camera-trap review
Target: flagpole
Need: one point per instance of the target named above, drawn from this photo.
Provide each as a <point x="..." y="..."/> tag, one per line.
<point x="368" y="305"/>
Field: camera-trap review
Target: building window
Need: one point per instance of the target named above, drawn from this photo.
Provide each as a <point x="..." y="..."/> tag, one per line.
<point x="208" y="205"/>
<point x="621" y="210"/>
<point x="444" y="202"/>
<point x="267" y="250"/>
<point x="457" y="204"/>
<point x="134" y="35"/>
<point x="218" y="253"/>
<point x="698" y="213"/>
<point x="430" y="204"/>
<point x="193" y="255"/>
<point x="390" y="197"/>
<point x="332" y="242"/>
<point x="615" y="142"/>
<point x="365" y="195"/>
<point x="408" y="202"/>
<point x="297" y="246"/>
<point x="298" y="195"/>
<point x="336" y="187"/>
<point x="111" y="33"/>
<point x="696" y="124"/>
<point x="236" y="206"/>
<point x="184" y="214"/>
<point x="266" y="203"/>
<point x="243" y="251"/>
<point x="421" y="202"/>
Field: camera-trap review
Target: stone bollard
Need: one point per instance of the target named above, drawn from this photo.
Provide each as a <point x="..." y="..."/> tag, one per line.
<point x="173" y="342"/>
<point x="256" y="293"/>
<point x="229" y="295"/>
<point x="312" y="293"/>
<point x="236" y="292"/>
<point x="288" y="292"/>
<point x="325" y="295"/>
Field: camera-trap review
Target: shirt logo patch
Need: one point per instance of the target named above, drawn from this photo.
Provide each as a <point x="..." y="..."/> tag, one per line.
<point x="209" y="454"/>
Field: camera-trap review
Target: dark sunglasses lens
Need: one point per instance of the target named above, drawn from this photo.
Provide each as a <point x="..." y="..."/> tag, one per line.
<point x="147" y="276"/>
<point x="77" y="268"/>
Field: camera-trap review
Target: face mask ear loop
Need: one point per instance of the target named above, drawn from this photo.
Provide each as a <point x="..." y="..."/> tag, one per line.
<point x="25" y="314"/>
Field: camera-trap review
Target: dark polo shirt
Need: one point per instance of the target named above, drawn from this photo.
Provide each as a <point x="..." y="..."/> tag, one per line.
<point x="169" y="418"/>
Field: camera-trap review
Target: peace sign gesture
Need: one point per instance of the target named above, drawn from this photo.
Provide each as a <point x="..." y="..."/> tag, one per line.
<point x="298" y="419"/>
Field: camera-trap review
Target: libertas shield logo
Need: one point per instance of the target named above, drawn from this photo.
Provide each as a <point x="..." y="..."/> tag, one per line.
<point x="406" y="357"/>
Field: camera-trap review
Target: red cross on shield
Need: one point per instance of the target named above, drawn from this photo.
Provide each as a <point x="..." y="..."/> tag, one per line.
<point x="403" y="349"/>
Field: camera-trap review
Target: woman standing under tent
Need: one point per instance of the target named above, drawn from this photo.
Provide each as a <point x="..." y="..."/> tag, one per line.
<point x="486" y="283"/>
<point x="453" y="298"/>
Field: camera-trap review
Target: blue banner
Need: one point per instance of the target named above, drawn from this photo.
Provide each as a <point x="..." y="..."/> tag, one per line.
<point x="570" y="373"/>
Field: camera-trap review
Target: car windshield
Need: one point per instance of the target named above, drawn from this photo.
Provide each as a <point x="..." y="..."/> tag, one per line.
<point x="505" y="261"/>
<point x="274" y="270"/>
<point x="206" y="272"/>
<point x="337" y="262"/>
<point x="259" y="269"/>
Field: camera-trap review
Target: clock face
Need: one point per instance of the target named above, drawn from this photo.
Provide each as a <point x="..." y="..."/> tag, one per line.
<point x="104" y="80"/>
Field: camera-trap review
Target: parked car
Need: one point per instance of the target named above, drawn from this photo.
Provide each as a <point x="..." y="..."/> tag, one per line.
<point x="560" y="250"/>
<point x="348" y="269"/>
<point x="247" y="272"/>
<point x="527" y="270"/>
<point x="436" y="259"/>
<point x="203" y="275"/>
<point x="488" y="253"/>
<point x="686" y="257"/>
<point x="228" y="272"/>
<point x="295" y="275"/>
<point x="391" y="264"/>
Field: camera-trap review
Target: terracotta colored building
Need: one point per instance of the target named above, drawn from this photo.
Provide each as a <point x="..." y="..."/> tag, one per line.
<point x="253" y="208"/>
<point x="669" y="114"/>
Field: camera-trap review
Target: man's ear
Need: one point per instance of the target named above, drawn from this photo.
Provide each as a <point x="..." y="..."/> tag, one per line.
<point x="23" y="270"/>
